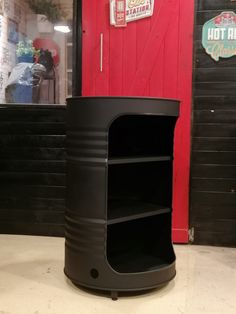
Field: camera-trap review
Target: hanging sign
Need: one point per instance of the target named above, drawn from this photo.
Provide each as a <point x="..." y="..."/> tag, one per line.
<point x="120" y="13"/>
<point x="219" y="36"/>
<point x="124" y="11"/>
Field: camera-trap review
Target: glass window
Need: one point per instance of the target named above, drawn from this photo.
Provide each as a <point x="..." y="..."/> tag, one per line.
<point x="35" y="51"/>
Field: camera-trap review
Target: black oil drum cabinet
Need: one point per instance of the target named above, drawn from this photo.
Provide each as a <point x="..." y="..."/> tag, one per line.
<point x="119" y="192"/>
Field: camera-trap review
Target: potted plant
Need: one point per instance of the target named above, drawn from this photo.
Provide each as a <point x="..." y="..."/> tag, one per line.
<point x="26" y="52"/>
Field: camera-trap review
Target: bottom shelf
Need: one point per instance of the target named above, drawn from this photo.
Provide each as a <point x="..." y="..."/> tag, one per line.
<point x="135" y="262"/>
<point x="140" y="245"/>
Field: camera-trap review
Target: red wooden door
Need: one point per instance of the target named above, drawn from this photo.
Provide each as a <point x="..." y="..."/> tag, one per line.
<point x="150" y="57"/>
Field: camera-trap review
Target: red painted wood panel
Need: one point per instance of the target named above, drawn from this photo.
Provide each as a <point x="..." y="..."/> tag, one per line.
<point x="171" y="58"/>
<point x="150" y="57"/>
<point x="89" y="60"/>
<point x="183" y="130"/>
<point x="102" y="27"/>
<point x="130" y="56"/>
<point x="153" y="46"/>
<point x="116" y="61"/>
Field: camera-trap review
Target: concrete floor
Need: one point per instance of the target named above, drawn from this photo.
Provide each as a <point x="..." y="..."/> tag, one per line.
<point x="32" y="282"/>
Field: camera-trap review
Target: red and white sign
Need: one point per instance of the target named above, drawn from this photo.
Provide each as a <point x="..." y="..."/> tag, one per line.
<point x="124" y="11"/>
<point x="120" y="13"/>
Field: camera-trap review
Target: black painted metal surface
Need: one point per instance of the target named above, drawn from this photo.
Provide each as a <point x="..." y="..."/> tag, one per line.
<point x="119" y="247"/>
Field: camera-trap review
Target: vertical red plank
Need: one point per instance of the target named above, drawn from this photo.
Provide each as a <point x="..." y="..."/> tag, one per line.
<point x="143" y="27"/>
<point x="156" y="80"/>
<point x="148" y="27"/>
<point x="129" y="56"/>
<point x="88" y="44"/>
<point x="102" y="28"/>
<point x="143" y="31"/>
<point x="135" y="37"/>
<point x="156" y="76"/>
<point x="182" y="136"/>
<point x="171" y="58"/>
<point x="116" y="61"/>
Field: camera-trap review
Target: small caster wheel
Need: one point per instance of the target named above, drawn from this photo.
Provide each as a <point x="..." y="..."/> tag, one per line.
<point x="114" y="295"/>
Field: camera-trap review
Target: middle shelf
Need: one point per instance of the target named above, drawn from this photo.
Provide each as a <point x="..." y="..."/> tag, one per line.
<point x="126" y="210"/>
<point x="137" y="159"/>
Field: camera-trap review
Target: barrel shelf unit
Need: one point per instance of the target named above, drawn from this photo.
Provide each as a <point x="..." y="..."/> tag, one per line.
<point x="119" y="192"/>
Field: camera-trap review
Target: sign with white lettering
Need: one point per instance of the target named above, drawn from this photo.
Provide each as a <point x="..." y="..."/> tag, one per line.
<point x="133" y="10"/>
<point x="219" y="36"/>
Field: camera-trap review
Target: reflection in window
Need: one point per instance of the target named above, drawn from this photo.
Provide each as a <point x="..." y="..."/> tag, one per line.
<point x="35" y="51"/>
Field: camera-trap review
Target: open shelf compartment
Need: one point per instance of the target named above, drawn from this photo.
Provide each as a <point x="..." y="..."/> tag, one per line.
<point x="140" y="245"/>
<point x="138" y="190"/>
<point x="125" y="210"/>
<point x="141" y="136"/>
<point x="140" y="193"/>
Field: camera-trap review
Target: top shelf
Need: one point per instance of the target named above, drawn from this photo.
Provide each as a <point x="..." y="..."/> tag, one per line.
<point x="137" y="159"/>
